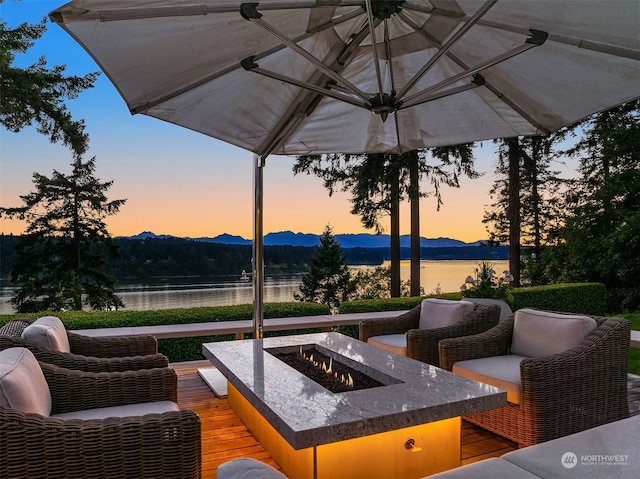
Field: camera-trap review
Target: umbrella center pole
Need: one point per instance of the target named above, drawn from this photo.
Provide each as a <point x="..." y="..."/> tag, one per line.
<point x="258" y="247"/>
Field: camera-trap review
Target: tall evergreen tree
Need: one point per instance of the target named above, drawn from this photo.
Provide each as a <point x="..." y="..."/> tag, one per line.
<point x="36" y="94"/>
<point x="329" y="279"/>
<point x="60" y="258"/>
<point x="524" y="174"/>
<point x="601" y="238"/>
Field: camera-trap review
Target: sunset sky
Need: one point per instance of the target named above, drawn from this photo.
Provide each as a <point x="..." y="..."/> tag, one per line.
<point x="186" y="184"/>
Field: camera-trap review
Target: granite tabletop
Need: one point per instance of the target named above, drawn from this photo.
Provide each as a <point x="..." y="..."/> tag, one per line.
<point x="306" y="414"/>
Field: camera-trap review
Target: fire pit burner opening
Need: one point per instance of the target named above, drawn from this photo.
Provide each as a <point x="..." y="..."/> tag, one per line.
<point x="332" y="371"/>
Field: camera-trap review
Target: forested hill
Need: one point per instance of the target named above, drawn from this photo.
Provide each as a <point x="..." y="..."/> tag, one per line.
<point x="181" y="257"/>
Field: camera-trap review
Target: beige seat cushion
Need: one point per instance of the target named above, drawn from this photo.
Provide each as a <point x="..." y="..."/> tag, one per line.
<point x="438" y="313"/>
<point x="502" y="372"/>
<point x="540" y="333"/>
<point x="48" y="332"/>
<point x="128" y="410"/>
<point x="22" y="384"/>
<point x="395" y="343"/>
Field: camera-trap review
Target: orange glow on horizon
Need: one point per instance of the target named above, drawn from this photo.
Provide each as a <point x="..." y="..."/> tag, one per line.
<point x="452" y="221"/>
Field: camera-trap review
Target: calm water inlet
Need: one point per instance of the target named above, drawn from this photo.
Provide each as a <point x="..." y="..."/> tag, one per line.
<point x="168" y="293"/>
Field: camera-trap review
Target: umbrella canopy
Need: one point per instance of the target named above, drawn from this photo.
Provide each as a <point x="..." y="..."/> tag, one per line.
<point x="340" y="76"/>
<point x="303" y="77"/>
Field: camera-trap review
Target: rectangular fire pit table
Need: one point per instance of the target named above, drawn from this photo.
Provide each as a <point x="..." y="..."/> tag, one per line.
<point x="409" y="427"/>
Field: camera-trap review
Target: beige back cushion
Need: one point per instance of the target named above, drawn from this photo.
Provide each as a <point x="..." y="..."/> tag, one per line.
<point x="438" y="313"/>
<point x="540" y="333"/>
<point x="505" y="309"/>
<point x="22" y="384"/>
<point x="48" y="332"/>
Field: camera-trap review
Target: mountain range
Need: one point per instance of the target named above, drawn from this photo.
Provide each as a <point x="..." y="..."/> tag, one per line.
<point x="282" y="238"/>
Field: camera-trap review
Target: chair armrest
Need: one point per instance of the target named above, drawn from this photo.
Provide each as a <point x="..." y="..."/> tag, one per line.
<point x="87" y="363"/>
<point x="15" y="327"/>
<point x="99" y="365"/>
<point x="494" y="342"/>
<point x="146" y="447"/>
<point x="78" y="390"/>
<point x="112" y="346"/>
<point x="392" y="325"/>
<point x="422" y="344"/>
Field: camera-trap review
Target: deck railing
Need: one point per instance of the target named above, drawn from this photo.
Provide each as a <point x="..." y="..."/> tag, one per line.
<point x="326" y="321"/>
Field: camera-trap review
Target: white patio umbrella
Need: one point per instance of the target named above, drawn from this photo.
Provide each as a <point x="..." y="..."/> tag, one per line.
<point x="339" y="76"/>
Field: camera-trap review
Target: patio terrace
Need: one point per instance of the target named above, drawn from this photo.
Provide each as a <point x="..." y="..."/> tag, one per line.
<point x="224" y="436"/>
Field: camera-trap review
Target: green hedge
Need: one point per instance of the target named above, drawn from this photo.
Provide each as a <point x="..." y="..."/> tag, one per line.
<point x="180" y="349"/>
<point x="388" y="304"/>
<point x="114" y="319"/>
<point x="584" y="298"/>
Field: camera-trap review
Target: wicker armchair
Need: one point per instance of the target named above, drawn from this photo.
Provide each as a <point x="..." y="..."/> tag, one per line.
<point x="105" y="354"/>
<point x="422" y="344"/>
<point x="560" y="394"/>
<point x="165" y="443"/>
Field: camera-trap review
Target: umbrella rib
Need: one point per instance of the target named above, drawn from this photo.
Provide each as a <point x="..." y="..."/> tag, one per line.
<point x="71" y="14"/>
<point x="520" y="111"/>
<point x="282" y="135"/>
<point x="397" y="122"/>
<point x="374" y="49"/>
<point x="477" y="82"/>
<point x="64" y="15"/>
<point x="302" y="5"/>
<point x="505" y="99"/>
<point x="304" y="104"/>
<point x="249" y="65"/>
<point x="631" y="53"/>
<point x="445" y="47"/>
<point x="538" y="38"/>
<point x="195" y="84"/>
<point x="432" y="11"/>
<point x="255" y="18"/>
<point x="387" y="42"/>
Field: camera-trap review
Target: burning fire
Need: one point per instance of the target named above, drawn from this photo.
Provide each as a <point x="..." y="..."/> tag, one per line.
<point x="346" y="380"/>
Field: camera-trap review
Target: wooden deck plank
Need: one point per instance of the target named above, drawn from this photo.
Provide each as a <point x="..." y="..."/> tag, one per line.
<point x="225" y="437"/>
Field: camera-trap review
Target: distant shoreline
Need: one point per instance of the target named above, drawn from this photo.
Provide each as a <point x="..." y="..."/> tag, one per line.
<point x="173" y="257"/>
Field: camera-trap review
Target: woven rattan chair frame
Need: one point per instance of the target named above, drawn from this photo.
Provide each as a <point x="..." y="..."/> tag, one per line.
<point x="105" y="354"/>
<point x="422" y="344"/>
<point x="561" y="394"/>
<point x="140" y="447"/>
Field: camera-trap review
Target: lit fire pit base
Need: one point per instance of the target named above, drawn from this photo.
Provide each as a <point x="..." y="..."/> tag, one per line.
<point x="407" y="428"/>
<point x="387" y="454"/>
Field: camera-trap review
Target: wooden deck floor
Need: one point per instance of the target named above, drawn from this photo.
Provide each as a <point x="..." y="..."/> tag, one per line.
<point x="224" y="436"/>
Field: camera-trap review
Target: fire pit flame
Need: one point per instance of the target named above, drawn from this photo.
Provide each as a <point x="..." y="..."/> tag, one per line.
<point x="347" y="381"/>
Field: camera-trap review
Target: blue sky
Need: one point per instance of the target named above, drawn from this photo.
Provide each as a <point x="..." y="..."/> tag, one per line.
<point x="186" y="184"/>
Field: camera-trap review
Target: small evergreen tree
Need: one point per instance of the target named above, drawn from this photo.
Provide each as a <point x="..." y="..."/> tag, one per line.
<point x="329" y="279"/>
<point x="60" y="258"/>
<point x="379" y="182"/>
